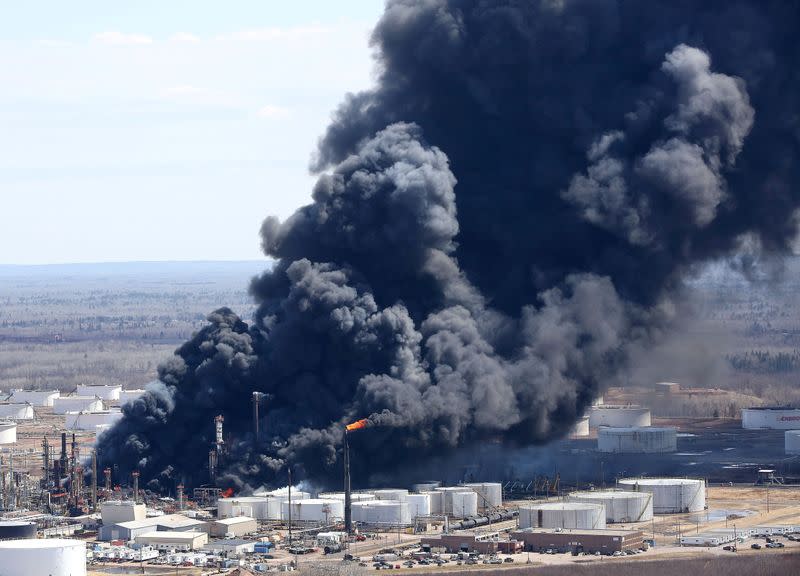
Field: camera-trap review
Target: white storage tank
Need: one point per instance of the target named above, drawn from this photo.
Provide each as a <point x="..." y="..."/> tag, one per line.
<point x="11" y="411"/>
<point x="8" y="432"/>
<point x="419" y="505"/>
<point x="314" y="510"/>
<point x="670" y="495"/>
<point x="65" y="404"/>
<point x="437" y="501"/>
<point x="580" y="428"/>
<point x="619" y="416"/>
<point x="50" y="557"/>
<point x="128" y="395"/>
<point x="461" y="504"/>
<point x="620" y="505"/>
<point x="427" y="486"/>
<point x="34" y="397"/>
<point x="637" y="440"/>
<point x="89" y="420"/>
<point x="490" y="494"/>
<point x="572" y="515"/>
<point x="102" y="391"/>
<point x="354" y="496"/>
<point x="771" y="418"/>
<point x="391" y="494"/>
<point x="382" y="512"/>
<point x="791" y="441"/>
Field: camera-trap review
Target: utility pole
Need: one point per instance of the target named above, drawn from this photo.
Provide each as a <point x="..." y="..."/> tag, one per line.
<point x="289" y="472"/>
<point x="94" y="480"/>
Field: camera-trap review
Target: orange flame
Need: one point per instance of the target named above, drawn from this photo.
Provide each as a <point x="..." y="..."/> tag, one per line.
<point x="357" y="425"/>
<point x="227" y="493"/>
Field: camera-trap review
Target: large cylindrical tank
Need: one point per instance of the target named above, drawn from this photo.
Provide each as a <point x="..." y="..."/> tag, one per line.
<point x="88" y="420"/>
<point x="65" y="404"/>
<point x="670" y="495"/>
<point x="126" y="396"/>
<point x="11" y="411"/>
<point x="572" y="515"/>
<point x="8" y="432"/>
<point x="771" y="418"/>
<point x="437" y="501"/>
<point x="16" y="529"/>
<point x="637" y="440"/>
<point x="49" y="557"/>
<point x="102" y="391"/>
<point x="314" y="510"/>
<point x="461" y="504"/>
<point x="620" y="416"/>
<point x="419" y="505"/>
<point x="34" y="397"/>
<point x="390" y="494"/>
<point x="620" y="505"/>
<point x="354" y="496"/>
<point x="791" y="441"/>
<point x="427" y="486"/>
<point x="490" y="494"/>
<point x="580" y="428"/>
<point x="382" y="512"/>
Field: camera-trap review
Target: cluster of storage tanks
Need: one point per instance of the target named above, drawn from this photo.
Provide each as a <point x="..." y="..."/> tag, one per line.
<point x="378" y="507"/>
<point x="626" y="429"/>
<point x="636" y="501"/>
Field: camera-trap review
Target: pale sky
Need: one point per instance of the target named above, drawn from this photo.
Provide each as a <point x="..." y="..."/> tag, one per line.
<point x="165" y="129"/>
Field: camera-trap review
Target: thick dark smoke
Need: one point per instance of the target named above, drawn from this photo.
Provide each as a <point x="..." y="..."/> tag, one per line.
<point x="496" y="225"/>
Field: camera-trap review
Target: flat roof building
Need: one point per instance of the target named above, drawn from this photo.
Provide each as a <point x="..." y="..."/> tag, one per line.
<point x="238" y="526"/>
<point x="171" y="540"/>
<point x="590" y="541"/>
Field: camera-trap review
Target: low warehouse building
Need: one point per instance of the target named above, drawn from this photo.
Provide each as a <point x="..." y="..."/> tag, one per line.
<point x="708" y="539"/>
<point x="168" y="540"/>
<point x="578" y="515"/>
<point x="231" y="547"/>
<point x="238" y="526"/>
<point x="489" y="543"/>
<point x="116" y="511"/>
<point x="590" y="541"/>
<point x="128" y="531"/>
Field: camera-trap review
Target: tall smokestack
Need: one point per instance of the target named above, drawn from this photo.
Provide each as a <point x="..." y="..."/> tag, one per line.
<point x="64" y="461"/>
<point x="256" y="400"/>
<point x="107" y="474"/>
<point x="180" y="496"/>
<point x="94" y="480"/>
<point x="135" y="475"/>
<point x="348" y="509"/>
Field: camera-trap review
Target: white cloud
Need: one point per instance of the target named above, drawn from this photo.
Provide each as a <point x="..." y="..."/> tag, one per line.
<point x="270" y="111"/>
<point x="116" y="37"/>
<point x="184" y="37"/>
<point x="274" y="33"/>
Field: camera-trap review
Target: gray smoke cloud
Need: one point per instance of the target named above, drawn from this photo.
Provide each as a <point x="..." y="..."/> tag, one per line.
<point x="498" y="226"/>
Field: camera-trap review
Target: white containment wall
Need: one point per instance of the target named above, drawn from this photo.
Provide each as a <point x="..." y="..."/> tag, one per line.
<point x="619" y="416"/>
<point x="9" y="411"/>
<point x="102" y="391"/>
<point x="620" y="505"/>
<point x="572" y="515"/>
<point x="419" y="505"/>
<point x="791" y="441"/>
<point x="774" y="418"/>
<point x="314" y="510"/>
<point x="66" y="404"/>
<point x="34" y="397"/>
<point x="89" y="420"/>
<point x="670" y="495"/>
<point x="8" y="432"/>
<point x="382" y="512"/>
<point x="46" y="557"/>
<point x="490" y="494"/>
<point x="637" y="440"/>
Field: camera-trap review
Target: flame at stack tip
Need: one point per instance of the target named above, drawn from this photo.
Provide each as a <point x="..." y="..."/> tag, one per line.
<point x="497" y="224"/>
<point x="357" y="425"/>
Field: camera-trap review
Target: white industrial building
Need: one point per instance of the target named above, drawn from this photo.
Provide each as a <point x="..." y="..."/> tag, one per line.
<point x="64" y="404"/>
<point x="580" y="428"/>
<point x="53" y="557"/>
<point x="709" y="539"/>
<point x="490" y="494"/>
<point x="12" y="411"/>
<point x="128" y="395"/>
<point x="90" y="420"/>
<point x="116" y="511"/>
<point x="419" y="505"/>
<point x="110" y="392"/>
<point x="770" y="418"/>
<point x="618" y="416"/>
<point x="458" y="502"/>
<point x="238" y="526"/>
<point x="573" y="515"/>
<point x="620" y="505"/>
<point x="313" y="510"/>
<point x="8" y="432"/>
<point x="34" y="397"/>
<point x="791" y="442"/>
<point x="168" y="540"/>
<point x="382" y="512"/>
<point x="637" y="440"/>
<point x="391" y="494"/>
<point x="670" y="495"/>
<point x="167" y="523"/>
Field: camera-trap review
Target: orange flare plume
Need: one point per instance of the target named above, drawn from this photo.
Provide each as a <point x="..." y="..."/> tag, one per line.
<point x="357" y="425"/>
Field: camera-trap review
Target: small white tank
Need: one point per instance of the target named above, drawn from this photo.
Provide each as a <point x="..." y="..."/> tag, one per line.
<point x="34" y="397"/>
<point x="65" y="404"/>
<point x="314" y="510"/>
<point x="9" y="411"/>
<point x="568" y="515"/>
<point x="437" y="501"/>
<point x="490" y="494"/>
<point x="670" y="495"/>
<point x="419" y="505"/>
<point x="382" y="512"/>
<point x="51" y="557"/>
<point x="8" y="432"/>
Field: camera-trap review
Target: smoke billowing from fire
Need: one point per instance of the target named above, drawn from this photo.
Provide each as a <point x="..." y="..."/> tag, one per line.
<point x="495" y="226"/>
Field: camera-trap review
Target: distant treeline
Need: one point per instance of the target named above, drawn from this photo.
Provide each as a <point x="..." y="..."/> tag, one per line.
<point x="765" y="362"/>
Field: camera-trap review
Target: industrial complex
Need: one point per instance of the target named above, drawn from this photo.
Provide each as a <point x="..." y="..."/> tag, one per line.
<point x="608" y="494"/>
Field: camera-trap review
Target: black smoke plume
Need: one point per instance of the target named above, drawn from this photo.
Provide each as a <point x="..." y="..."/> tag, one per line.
<point x="496" y="224"/>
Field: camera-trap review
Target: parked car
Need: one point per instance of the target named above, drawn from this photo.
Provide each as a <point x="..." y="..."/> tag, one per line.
<point x="756" y="546"/>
